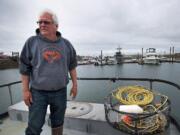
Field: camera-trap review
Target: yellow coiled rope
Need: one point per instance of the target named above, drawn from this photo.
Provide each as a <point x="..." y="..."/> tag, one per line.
<point x="138" y="95"/>
<point x="130" y="95"/>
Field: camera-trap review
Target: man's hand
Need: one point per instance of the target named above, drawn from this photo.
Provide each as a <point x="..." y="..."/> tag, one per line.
<point x="73" y="91"/>
<point x="27" y="96"/>
<point x="73" y="75"/>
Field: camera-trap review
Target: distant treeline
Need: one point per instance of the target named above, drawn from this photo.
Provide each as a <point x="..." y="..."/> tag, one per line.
<point x="11" y="62"/>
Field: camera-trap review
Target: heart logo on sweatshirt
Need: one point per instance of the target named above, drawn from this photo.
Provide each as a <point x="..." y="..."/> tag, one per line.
<point x="51" y="55"/>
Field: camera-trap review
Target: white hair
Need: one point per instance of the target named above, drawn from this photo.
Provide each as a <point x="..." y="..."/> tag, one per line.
<point x="54" y="16"/>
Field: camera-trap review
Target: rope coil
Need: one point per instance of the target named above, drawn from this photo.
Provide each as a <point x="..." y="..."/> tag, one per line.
<point x="134" y="95"/>
<point x="153" y="118"/>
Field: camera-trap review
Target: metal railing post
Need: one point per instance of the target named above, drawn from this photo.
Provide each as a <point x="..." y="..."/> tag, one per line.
<point x="151" y="85"/>
<point x="10" y="94"/>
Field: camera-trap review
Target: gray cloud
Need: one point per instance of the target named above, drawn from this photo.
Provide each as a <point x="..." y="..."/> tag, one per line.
<point x="93" y="25"/>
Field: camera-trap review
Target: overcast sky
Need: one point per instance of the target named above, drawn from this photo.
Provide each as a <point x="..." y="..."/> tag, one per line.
<point x="95" y="25"/>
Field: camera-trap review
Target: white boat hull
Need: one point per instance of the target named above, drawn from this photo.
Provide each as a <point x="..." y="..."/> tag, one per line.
<point x="151" y="61"/>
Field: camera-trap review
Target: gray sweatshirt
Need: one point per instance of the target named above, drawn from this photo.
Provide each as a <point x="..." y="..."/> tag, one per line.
<point x="47" y="62"/>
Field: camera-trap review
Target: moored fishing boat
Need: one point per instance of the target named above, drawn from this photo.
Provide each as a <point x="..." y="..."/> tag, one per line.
<point x="151" y="57"/>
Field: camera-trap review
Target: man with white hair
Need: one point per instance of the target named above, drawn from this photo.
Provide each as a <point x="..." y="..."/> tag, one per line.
<point x="45" y="61"/>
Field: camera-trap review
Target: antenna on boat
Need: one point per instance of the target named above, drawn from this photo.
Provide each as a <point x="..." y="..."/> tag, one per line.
<point x="119" y="49"/>
<point x="101" y="56"/>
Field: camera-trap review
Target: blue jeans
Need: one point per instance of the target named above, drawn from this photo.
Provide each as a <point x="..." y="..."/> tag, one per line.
<point x="37" y="111"/>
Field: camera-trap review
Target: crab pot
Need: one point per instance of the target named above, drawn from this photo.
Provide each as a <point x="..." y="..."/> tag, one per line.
<point x="153" y="120"/>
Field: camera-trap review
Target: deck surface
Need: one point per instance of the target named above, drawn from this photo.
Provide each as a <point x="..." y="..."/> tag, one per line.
<point x="81" y="119"/>
<point x="9" y="127"/>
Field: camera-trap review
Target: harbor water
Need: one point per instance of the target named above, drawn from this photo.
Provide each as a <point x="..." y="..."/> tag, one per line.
<point x="96" y="91"/>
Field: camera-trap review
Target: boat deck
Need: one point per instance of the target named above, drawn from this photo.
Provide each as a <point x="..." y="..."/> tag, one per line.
<point x="81" y="119"/>
<point x="10" y="127"/>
